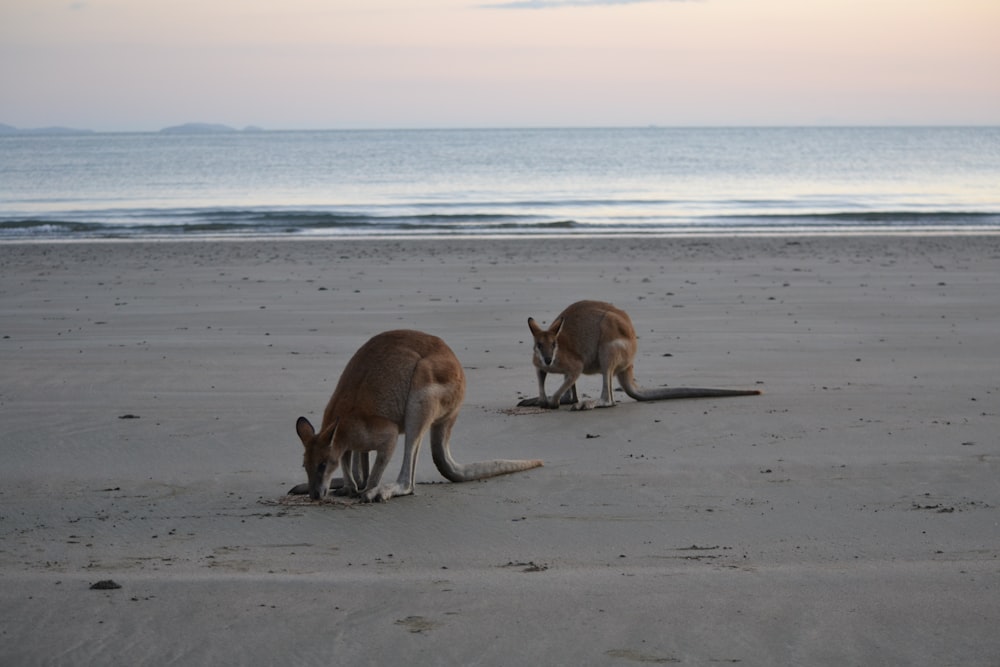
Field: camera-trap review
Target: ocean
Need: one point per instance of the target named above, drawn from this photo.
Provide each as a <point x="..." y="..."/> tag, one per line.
<point x="501" y="183"/>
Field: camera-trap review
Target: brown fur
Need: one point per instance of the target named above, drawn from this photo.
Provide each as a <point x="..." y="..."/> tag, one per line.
<point x="398" y="382"/>
<point x="592" y="337"/>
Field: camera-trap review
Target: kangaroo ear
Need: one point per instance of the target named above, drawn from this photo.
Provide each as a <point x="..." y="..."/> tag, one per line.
<point x="304" y="429"/>
<point x="326" y="437"/>
<point x="556" y="326"/>
<point x="535" y="329"/>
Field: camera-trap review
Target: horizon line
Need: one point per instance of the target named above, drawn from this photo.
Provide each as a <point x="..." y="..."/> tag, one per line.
<point x="223" y="128"/>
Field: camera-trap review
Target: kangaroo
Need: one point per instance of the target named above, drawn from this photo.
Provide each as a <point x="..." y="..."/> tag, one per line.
<point x="399" y="381"/>
<point x="595" y="337"/>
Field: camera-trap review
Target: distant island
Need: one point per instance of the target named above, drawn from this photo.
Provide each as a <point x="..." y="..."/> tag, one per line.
<point x="198" y="128"/>
<point x="186" y="128"/>
<point x="206" y="128"/>
<point x="10" y="129"/>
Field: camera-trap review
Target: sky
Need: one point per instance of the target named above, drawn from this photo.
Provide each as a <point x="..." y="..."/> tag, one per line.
<point x="138" y="65"/>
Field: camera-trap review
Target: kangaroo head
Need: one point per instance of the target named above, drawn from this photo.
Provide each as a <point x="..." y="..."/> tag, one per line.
<point x="546" y="340"/>
<point x="319" y="460"/>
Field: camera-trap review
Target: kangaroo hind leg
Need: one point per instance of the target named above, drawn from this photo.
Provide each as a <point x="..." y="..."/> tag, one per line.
<point x="607" y="394"/>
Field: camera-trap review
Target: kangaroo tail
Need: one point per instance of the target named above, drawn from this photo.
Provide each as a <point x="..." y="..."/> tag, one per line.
<point x="687" y="392"/>
<point x="628" y="383"/>
<point x="457" y="472"/>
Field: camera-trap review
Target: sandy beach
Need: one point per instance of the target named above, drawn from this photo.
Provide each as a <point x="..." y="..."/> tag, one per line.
<point x="850" y="515"/>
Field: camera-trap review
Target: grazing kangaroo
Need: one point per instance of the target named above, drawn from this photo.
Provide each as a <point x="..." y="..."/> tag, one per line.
<point x="595" y="337"/>
<point x="399" y="381"/>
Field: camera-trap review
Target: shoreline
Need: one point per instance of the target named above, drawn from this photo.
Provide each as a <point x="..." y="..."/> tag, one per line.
<point x="659" y="236"/>
<point x="847" y="516"/>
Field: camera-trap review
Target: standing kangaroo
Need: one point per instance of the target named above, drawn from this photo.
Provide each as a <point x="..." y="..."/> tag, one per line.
<point x="595" y="337"/>
<point x="399" y="381"/>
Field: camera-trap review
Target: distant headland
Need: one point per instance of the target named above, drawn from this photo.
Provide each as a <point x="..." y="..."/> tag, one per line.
<point x="185" y="128"/>
<point x="10" y="129"/>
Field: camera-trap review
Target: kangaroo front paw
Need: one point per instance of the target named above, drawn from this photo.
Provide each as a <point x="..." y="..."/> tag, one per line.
<point x="549" y="403"/>
<point x="375" y="495"/>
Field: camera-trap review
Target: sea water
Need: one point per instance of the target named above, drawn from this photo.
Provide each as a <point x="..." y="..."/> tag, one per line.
<point x="516" y="182"/>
